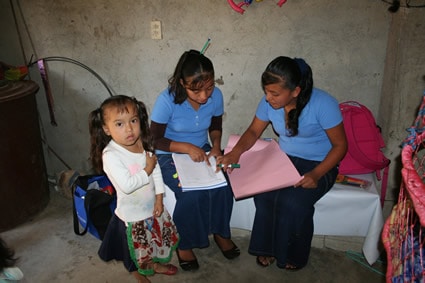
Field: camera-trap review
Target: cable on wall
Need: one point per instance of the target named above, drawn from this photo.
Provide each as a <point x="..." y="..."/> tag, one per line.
<point x="73" y="61"/>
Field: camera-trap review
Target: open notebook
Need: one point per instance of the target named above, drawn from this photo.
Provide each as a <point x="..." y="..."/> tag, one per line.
<point x="264" y="167"/>
<point x="197" y="175"/>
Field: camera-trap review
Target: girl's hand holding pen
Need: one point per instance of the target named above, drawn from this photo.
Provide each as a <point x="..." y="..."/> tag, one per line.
<point x="233" y="165"/>
<point x="227" y="163"/>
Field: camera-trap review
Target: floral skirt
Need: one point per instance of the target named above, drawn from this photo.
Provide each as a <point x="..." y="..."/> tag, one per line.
<point x="152" y="240"/>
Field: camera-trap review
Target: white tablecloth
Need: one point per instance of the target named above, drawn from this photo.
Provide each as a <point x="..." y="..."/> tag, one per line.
<point x="343" y="211"/>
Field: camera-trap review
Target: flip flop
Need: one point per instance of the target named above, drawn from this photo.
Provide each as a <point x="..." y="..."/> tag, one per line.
<point x="267" y="261"/>
<point x="291" y="267"/>
<point x="11" y="273"/>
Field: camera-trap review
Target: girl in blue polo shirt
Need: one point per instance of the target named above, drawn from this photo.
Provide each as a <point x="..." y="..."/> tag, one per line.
<point x="187" y="118"/>
<point x="309" y="124"/>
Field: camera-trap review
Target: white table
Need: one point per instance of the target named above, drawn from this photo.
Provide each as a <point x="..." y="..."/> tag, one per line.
<point x="343" y="211"/>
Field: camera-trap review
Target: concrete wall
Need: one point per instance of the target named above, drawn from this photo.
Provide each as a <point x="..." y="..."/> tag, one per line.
<point x="345" y="42"/>
<point x="403" y="87"/>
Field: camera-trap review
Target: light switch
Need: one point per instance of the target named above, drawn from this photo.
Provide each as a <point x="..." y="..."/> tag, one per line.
<point x="156" y="32"/>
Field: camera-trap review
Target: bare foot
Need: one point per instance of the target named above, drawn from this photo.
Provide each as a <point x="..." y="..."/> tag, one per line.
<point x="167" y="269"/>
<point x="291" y="267"/>
<point x="265" y="261"/>
<point x="140" y="278"/>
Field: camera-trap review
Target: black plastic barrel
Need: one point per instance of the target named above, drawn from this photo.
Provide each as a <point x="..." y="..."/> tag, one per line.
<point x="24" y="189"/>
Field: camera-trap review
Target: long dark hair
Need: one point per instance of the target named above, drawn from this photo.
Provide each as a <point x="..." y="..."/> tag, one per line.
<point x="194" y="65"/>
<point x="98" y="138"/>
<point x="7" y="256"/>
<point x="291" y="73"/>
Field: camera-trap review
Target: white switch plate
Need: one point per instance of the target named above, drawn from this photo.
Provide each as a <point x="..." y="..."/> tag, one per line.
<point x="156" y="32"/>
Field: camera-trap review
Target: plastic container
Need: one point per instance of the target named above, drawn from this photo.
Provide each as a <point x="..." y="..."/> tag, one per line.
<point x="24" y="189"/>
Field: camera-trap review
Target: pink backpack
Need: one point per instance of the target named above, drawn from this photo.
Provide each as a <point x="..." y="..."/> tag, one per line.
<point x="365" y="142"/>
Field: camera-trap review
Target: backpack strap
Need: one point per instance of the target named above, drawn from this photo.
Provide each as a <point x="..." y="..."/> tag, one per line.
<point x="76" y="222"/>
<point x="384" y="185"/>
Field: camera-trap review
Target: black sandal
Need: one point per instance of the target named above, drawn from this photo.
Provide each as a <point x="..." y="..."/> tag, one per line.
<point x="187" y="265"/>
<point x="232" y="253"/>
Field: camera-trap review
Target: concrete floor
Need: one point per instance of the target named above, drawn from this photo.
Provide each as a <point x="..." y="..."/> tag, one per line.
<point x="49" y="251"/>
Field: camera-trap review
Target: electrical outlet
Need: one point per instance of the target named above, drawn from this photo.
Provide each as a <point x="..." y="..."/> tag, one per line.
<point x="156" y="32"/>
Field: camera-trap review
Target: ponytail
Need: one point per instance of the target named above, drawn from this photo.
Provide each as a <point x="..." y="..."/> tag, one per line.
<point x="98" y="139"/>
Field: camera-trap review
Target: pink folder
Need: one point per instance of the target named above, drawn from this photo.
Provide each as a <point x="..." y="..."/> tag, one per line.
<point x="264" y="167"/>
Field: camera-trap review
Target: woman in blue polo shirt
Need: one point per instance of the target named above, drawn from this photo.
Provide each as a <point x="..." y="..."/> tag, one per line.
<point x="309" y="124"/>
<point x="185" y="117"/>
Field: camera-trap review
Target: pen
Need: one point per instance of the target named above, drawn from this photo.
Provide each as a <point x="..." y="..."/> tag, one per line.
<point x="205" y="46"/>
<point x="233" y="165"/>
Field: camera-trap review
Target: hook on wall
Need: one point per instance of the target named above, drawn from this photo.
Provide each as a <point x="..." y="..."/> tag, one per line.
<point x="395" y="5"/>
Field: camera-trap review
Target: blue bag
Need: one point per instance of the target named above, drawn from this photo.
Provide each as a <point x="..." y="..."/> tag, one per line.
<point x="94" y="202"/>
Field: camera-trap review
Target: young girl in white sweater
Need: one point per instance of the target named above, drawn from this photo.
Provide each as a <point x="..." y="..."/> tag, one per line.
<point x="141" y="232"/>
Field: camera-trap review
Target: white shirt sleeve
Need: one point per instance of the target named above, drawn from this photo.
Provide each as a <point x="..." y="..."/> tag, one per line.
<point x="158" y="181"/>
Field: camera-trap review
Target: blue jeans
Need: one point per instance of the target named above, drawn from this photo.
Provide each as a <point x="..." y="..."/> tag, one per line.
<point x="283" y="225"/>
